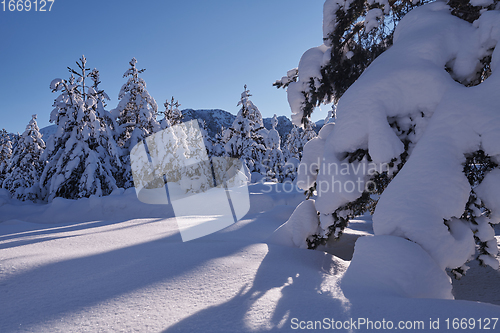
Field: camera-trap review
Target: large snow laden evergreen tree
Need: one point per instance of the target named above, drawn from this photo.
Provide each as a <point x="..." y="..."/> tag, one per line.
<point x="245" y="138"/>
<point x="25" y="166"/>
<point x="354" y="34"/>
<point x="424" y="114"/>
<point x="82" y="156"/>
<point x="136" y="117"/>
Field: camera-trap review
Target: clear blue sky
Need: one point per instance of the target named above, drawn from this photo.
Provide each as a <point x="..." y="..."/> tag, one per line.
<point x="200" y="52"/>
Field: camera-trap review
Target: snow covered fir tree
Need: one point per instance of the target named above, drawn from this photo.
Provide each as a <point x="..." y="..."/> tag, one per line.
<point x="245" y="139"/>
<point x="354" y="34"/>
<point x="82" y="156"/>
<point x="86" y="132"/>
<point x="293" y="147"/>
<point x="23" y="170"/>
<point x="415" y="138"/>
<point x="5" y="153"/>
<point x="136" y="117"/>
<point x="297" y="139"/>
<point x="274" y="159"/>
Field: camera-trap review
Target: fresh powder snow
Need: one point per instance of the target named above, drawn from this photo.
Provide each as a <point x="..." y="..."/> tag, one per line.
<point x="114" y="264"/>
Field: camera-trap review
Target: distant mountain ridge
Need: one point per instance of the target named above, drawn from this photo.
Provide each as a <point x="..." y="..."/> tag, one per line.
<point x="214" y="119"/>
<point x="47" y="131"/>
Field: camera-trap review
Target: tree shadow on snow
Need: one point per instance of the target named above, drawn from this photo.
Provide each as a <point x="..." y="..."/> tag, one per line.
<point x="31" y="232"/>
<point x="297" y="275"/>
<point x="57" y="289"/>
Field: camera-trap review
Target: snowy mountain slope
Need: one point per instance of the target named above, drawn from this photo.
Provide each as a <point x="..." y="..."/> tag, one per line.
<point x="48" y="131"/>
<point x="97" y="270"/>
<point x="319" y="124"/>
<point x="216" y="118"/>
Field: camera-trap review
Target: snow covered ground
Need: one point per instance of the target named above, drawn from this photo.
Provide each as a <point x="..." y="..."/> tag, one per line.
<point x="114" y="264"/>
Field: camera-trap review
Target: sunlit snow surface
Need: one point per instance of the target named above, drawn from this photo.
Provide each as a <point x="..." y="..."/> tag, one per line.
<point x="114" y="264"/>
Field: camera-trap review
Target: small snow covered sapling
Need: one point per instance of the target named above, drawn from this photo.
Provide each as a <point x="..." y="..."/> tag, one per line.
<point x="274" y="159"/>
<point x="172" y="114"/>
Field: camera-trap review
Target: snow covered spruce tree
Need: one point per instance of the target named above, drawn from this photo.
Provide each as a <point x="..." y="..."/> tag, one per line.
<point x="274" y="159"/>
<point x="136" y="117"/>
<point x="109" y="124"/>
<point x="218" y="143"/>
<point x="292" y="153"/>
<point x="82" y="156"/>
<point x="5" y="153"/>
<point x="294" y="146"/>
<point x="172" y="114"/>
<point x="424" y="117"/>
<point x="25" y="166"/>
<point x="198" y="175"/>
<point x="308" y="133"/>
<point x="245" y="139"/>
<point x="354" y="34"/>
<point x="208" y="141"/>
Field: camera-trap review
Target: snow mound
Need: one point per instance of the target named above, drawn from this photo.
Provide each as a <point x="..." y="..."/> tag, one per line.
<point x="301" y="224"/>
<point x="384" y="265"/>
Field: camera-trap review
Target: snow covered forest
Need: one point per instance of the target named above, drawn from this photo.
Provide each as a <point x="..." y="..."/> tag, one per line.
<point x="89" y="151"/>
<point x="386" y="215"/>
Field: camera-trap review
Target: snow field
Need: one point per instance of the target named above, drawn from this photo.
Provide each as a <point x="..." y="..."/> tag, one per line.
<point x="129" y="274"/>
